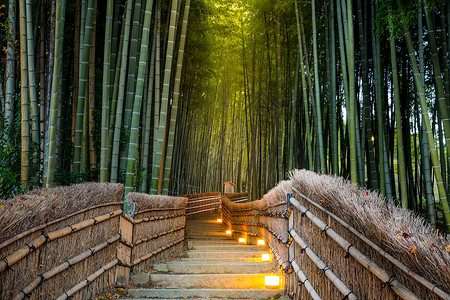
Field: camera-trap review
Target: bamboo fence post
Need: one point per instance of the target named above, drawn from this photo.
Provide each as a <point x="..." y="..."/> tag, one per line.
<point x="124" y="250"/>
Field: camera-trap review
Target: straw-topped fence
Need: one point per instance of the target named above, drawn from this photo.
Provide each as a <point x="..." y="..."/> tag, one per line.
<point x="325" y="257"/>
<point x="202" y="203"/>
<point x="238" y="197"/>
<point x="76" y="242"/>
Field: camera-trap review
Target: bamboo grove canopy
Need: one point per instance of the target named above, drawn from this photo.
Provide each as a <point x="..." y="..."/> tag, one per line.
<point x="179" y="96"/>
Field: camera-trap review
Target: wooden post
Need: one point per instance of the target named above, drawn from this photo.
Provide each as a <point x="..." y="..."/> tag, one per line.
<point x="124" y="251"/>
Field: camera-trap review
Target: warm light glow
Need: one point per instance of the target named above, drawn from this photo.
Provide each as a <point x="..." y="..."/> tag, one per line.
<point x="261" y="243"/>
<point x="272" y="281"/>
<point x="228" y="232"/>
<point x="242" y="240"/>
<point x="219" y="220"/>
<point x="265" y="257"/>
<point x="373" y="138"/>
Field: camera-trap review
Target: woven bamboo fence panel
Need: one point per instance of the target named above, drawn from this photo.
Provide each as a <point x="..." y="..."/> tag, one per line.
<point x="78" y="254"/>
<point x="323" y="258"/>
<point x="159" y="222"/>
<point x="45" y="261"/>
<point x="202" y="203"/>
<point x="238" y="197"/>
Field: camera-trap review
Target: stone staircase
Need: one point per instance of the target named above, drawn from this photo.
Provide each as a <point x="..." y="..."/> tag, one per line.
<point x="215" y="266"/>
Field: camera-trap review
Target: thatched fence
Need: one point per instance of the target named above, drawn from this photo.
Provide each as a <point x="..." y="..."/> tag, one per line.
<point x="202" y="203"/>
<point x="238" y="197"/>
<point x="76" y="242"/>
<point x="327" y="240"/>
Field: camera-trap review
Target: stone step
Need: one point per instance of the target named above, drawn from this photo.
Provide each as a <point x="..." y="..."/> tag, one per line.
<point x="200" y="281"/>
<point x="221" y="254"/>
<point x="205" y="293"/>
<point x="235" y="247"/>
<point x="228" y="241"/>
<point x="183" y="267"/>
<point x="221" y="259"/>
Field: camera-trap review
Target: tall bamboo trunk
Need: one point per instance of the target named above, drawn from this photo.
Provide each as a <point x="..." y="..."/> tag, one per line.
<point x="134" y="130"/>
<point x="159" y="147"/>
<point x="176" y="96"/>
<point x="82" y="89"/>
<point x="56" y="91"/>
<point x="32" y="78"/>
<point x="106" y="88"/>
<point x="317" y="91"/>
<point x="121" y="94"/>
<point x="427" y="124"/>
<point x="10" y="64"/>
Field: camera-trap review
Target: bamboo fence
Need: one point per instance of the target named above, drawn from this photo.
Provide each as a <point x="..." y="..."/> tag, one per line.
<point x="80" y="253"/>
<point x="323" y="256"/>
<point x="238" y="197"/>
<point x="202" y="203"/>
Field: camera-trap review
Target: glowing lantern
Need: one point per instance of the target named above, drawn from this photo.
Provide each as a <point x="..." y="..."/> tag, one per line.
<point x="265" y="257"/>
<point x="242" y="240"/>
<point x="228" y="232"/>
<point x="219" y="220"/>
<point x="272" y="281"/>
<point x="261" y="243"/>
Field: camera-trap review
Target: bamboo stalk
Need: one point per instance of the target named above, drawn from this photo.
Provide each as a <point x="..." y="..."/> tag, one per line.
<point x="383" y="275"/>
<point x="305" y="281"/>
<point x="157" y="235"/>
<point x="64" y="266"/>
<point x="322" y="266"/>
<point x="19" y="254"/>
<point x="151" y="254"/>
<point x="88" y="280"/>
<point x="432" y="287"/>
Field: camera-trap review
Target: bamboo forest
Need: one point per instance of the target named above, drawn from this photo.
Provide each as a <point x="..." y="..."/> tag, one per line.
<point x="179" y="96"/>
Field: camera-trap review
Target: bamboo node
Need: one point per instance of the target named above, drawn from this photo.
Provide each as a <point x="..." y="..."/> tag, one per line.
<point x="95" y="221"/>
<point x="43" y="277"/>
<point x="73" y="229"/>
<point x="325" y="269"/>
<point x="303" y="249"/>
<point x="304" y="213"/>
<point x="300" y="283"/>
<point x="348" y="251"/>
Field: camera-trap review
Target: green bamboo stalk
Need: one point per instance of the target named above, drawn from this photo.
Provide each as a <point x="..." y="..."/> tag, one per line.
<point x="134" y="130"/>
<point x="133" y="57"/>
<point x="159" y="147"/>
<point x="32" y="76"/>
<point x="279" y="109"/>
<point x="352" y="95"/>
<point x="379" y="110"/>
<point x="372" y="167"/>
<point x="176" y="96"/>
<point x="427" y="124"/>
<point x="305" y="93"/>
<point x="121" y="94"/>
<point x="83" y="81"/>
<point x="105" y="92"/>
<point x="317" y="91"/>
<point x="24" y="100"/>
<point x="10" y="64"/>
<point x="333" y="111"/>
<point x="56" y="88"/>
<point x="114" y="96"/>
<point x="147" y="120"/>
<point x="439" y="83"/>
<point x="398" y="122"/>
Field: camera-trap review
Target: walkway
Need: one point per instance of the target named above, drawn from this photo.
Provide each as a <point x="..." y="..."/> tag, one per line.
<point x="215" y="266"/>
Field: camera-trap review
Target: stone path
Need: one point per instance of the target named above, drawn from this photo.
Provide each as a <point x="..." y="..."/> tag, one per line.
<point x="215" y="266"/>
